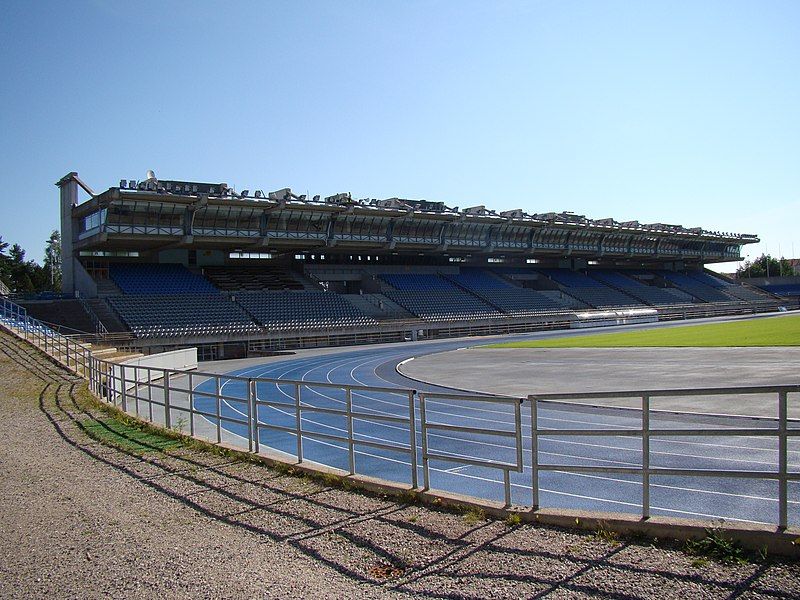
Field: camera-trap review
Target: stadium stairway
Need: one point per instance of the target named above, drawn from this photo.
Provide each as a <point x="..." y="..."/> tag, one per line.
<point x="106" y="288"/>
<point x="591" y="291"/>
<point x="736" y="289"/>
<point x="377" y="306"/>
<point x="654" y="296"/>
<point x="564" y="299"/>
<point x="700" y="290"/>
<point x="106" y="316"/>
<point x="503" y="295"/>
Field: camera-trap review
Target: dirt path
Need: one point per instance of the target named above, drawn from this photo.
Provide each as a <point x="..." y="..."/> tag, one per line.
<point x="85" y="519"/>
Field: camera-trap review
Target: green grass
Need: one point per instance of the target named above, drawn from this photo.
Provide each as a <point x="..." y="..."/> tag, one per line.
<point x="127" y="437"/>
<point x="777" y="331"/>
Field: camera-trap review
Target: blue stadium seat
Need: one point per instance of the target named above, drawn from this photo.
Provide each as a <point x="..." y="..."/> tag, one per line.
<point x="149" y="279"/>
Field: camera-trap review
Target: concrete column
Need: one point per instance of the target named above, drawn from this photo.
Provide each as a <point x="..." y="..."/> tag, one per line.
<point x="68" y="187"/>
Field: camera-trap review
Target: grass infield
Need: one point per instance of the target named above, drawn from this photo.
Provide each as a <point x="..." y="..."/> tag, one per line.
<point x="777" y="331"/>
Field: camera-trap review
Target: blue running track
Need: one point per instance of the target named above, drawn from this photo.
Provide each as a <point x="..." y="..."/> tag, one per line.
<point x="730" y="499"/>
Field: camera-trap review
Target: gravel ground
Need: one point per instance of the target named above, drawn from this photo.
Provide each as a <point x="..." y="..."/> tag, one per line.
<point x="83" y="519"/>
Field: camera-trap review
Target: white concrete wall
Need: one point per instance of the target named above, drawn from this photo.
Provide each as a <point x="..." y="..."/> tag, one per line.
<point x="175" y="360"/>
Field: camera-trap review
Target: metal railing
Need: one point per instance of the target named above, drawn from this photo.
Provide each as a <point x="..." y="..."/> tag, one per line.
<point x="267" y="406"/>
<point x="646" y="432"/>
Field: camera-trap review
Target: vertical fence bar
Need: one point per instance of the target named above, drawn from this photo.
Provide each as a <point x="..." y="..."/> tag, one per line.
<point x="783" y="462"/>
<point x="167" y="415"/>
<point x="426" y="480"/>
<point x="298" y="423"/>
<point x="253" y="396"/>
<point x="191" y="405"/>
<point x="412" y="435"/>
<point x="249" y="416"/>
<point x="123" y="390"/>
<point x="150" y="398"/>
<point x="218" y="402"/>
<point x="136" y="388"/>
<point x="518" y="432"/>
<point x="534" y="451"/>
<point x="507" y="486"/>
<point x="645" y="456"/>
<point x="149" y="387"/>
<point x="351" y="453"/>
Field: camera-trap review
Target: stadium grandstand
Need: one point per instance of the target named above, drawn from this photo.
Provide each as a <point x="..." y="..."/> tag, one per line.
<point x="164" y="264"/>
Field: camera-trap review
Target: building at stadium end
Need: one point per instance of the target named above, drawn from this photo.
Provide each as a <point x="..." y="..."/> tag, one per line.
<point x="172" y="263"/>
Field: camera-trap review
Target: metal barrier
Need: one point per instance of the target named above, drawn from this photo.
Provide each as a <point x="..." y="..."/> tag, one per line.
<point x="515" y="433"/>
<point x="646" y="432"/>
<point x="175" y="399"/>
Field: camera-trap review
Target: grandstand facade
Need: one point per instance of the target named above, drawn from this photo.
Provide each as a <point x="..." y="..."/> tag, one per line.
<point x="172" y="263"/>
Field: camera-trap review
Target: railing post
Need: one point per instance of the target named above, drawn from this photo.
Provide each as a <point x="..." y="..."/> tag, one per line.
<point x="783" y="466"/>
<point x="645" y="456"/>
<point x="351" y="454"/>
<point x="412" y="434"/>
<point x="123" y="390"/>
<point x="507" y="487"/>
<point x="534" y="451"/>
<point x="217" y="401"/>
<point x="167" y="416"/>
<point x="136" y="388"/>
<point x="253" y="403"/>
<point x="426" y="480"/>
<point x="298" y="424"/>
<point x="150" y="395"/>
<point x="191" y="406"/>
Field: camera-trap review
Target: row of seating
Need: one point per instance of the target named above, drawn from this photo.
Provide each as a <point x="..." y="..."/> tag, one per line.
<point x="149" y="279"/>
<point x="444" y="305"/>
<point x="234" y="278"/>
<point x="690" y="285"/>
<point x="470" y="294"/>
<point x="654" y="296"/>
<point x="185" y="314"/>
<point x="782" y="289"/>
<point x="417" y="282"/>
<point x="302" y="310"/>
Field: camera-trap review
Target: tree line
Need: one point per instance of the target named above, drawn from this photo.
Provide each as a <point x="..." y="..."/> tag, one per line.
<point x="765" y="266"/>
<point x="27" y="276"/>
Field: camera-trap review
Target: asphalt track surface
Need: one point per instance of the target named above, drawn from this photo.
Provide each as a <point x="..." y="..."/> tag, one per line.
<point x="730" y="499"/>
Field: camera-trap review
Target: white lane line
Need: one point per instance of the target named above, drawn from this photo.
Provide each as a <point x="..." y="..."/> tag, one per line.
<point x="553" y="440"/>
<point x="457" y="470"/>
<point x="343" y="362"/>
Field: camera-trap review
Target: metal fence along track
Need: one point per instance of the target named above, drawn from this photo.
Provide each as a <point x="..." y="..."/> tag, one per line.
<point x="284" y="416"/>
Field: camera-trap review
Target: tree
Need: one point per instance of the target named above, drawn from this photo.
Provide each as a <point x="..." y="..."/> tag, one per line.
<point x="765" y="266"/>
<point x="52" y="262"/>
<point x="20" y="271"/>
<point x="5" y="265"/>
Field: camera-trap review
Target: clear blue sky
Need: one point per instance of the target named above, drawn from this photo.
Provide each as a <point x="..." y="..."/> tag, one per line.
<point x="676" y="112"/>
